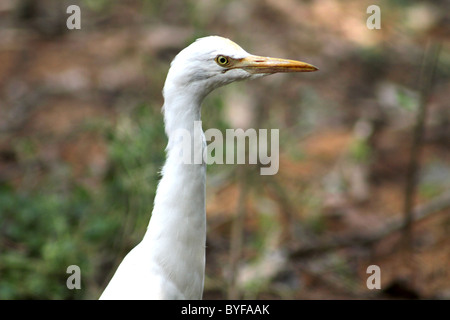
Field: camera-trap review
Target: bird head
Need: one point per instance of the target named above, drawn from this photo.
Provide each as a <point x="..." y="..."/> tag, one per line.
<point x="213" y="61"/>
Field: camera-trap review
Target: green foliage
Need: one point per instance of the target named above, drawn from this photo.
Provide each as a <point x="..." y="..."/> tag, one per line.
<point x="136" y="147"/>
<point x="48" y="228"/>
<point x="314" y="220"/>
<point x="360" y="150"/>
<point x="407" y="100"/>
<point x="97" y="5"/>
<point x="39" y="240"/>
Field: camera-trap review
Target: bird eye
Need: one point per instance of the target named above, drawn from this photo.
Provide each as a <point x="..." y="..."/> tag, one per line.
<point x="222" y="61"/>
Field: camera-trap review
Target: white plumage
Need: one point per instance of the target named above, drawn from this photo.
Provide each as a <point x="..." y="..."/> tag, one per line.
<point x="169" y="262"/>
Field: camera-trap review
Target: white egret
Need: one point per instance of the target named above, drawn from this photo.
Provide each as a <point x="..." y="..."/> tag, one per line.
<point x="169" y="262"/>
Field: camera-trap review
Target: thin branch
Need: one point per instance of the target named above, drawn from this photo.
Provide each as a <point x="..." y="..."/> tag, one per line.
<point x="420" y="213"/>
<point x="426" y="82"/>
<point x="237" y="234"/>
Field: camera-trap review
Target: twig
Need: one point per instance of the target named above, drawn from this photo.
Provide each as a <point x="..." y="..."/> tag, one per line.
<point x="237" y="234"/>
<point x="282" y="197"/>
<point x="421" y="212"/>
<point x="426" y="81"/>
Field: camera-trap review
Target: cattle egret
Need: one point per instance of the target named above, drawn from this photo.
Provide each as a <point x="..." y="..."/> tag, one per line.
<point x="169" y="262"/>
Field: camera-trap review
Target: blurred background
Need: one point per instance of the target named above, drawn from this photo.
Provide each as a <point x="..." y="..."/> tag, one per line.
<point x="364" y="174"/>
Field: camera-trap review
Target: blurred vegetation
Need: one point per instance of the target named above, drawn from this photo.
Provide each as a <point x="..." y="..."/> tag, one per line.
<point x="82" y="143"/>
<point x="61" y="222"/>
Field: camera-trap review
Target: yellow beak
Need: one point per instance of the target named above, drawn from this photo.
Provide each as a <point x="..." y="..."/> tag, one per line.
<point x="256" y="64"/>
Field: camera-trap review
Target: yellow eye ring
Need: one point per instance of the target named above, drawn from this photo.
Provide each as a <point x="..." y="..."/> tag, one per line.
<point x="222" y="61"/>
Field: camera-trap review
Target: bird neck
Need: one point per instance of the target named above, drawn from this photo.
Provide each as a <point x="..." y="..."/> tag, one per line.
<point x="182" y="120"/>
<point x="182" y="179"/>
<point x="177" y="229"/>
